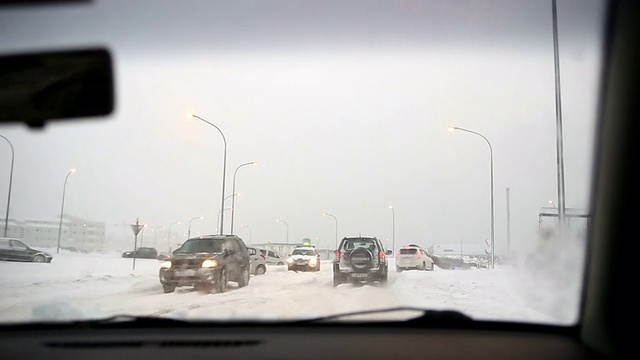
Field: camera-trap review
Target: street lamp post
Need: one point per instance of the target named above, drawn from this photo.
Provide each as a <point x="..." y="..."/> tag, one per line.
<point x="6" y="219"/>
<point x="155" y="235"/>
<point x="393" y="228"/>
<point x="64" y="191"/>
<point x="492" y="209"/>
<point x="336" y="220"/>
<point x="248" y="228"/>
<point x="189" y="231"/>
<point x="169" y="235"/>
<point x="233" y="191"/>
<point x="287" y="225"/>
<point x="224" y="168"/>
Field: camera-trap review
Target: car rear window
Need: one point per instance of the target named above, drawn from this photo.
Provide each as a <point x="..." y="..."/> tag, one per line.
<point x="408" y="251"/>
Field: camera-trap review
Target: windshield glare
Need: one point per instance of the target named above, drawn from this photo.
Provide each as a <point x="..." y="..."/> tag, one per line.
<point x="339" y="125"/>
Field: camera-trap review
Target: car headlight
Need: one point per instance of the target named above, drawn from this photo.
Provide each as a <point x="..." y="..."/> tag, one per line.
<point x="290" y="260"/>
<point x="209" y="263"/>
<point x="165" y="264"/>
<point x="313" y="261"/>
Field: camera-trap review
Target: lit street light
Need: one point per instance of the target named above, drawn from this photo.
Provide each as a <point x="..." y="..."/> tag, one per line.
<point x="248" y="228"/>
<point x="336" y="220"/>
<point x="287" y="225"/>
<point x="64" y="191"/>
<point x="169" y="235"/>
<point x="393" y="228"/>
<point x="224" y="168"/>
<point x="492" y="210"/>
<point x="233" y="191"/>
<point x="6" y="219"/>
<point x="189" y="231"/>
<point x="552" y="204"/>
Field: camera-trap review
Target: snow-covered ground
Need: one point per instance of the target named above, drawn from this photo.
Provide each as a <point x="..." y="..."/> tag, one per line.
<point x="83" y="286"/>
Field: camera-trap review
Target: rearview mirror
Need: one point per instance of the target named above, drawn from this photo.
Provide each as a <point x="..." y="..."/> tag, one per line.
<point x="389" y="252"/>
<point x="38" y="87"/>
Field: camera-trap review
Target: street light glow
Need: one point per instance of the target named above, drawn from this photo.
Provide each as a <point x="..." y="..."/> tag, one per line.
<point x="189" y="115"/>
<point x="451" y="128"/>
<point x="72" y="170"/>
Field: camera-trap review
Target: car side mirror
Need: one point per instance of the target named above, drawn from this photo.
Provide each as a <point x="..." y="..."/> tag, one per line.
<point x="389" y="252"/>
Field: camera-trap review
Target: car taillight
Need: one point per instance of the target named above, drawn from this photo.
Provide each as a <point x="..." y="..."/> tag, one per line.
<point x="381" y="255"/>
<point x="398" y="254"/>
<point x="419" y="254"/>
<point x="337" y="255"/>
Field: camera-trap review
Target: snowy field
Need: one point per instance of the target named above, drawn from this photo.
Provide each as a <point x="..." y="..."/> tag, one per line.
<point x="89" y="286"/>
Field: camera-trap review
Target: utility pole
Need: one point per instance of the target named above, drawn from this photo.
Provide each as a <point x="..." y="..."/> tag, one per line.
<point x="508" y="224"/>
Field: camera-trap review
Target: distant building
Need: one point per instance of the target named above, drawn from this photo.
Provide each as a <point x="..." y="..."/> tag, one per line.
<point x="75" y="232"/>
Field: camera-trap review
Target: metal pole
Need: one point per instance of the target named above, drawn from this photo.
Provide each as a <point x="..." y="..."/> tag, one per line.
<point x="6" y="219"/>
<point x="233" y="191"/>
<point x="64" y="191"/>
<point x="224" y="171"/>
<point x="336" y="220"/>
<point x="393" y="228"/>
<point x="189" y="231"/>
<point x="508" y="224"/>
<point x="135" y="243"/>
<point x="287" y="225"/>
<point x="492" y="205"/>
<point x="559" y="144"/>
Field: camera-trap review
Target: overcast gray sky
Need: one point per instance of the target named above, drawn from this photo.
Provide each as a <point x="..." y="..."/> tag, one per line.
<point x="344" y="104"/>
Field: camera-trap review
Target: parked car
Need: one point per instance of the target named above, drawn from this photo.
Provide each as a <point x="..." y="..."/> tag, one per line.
<point x="272" y="257"/>
<point x="413" y="257"/>
<point x="304" y="258"/>
<point x="208" y="263"/>
<point x="257" y="260"/>
<point x="142" y="253"/>
<point x="15" y="250"/>
<point x="360" y="259"/>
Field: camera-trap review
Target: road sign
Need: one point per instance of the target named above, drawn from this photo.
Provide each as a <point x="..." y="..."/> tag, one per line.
<point x="136" y="228"/>
<point x="306" y="241"/>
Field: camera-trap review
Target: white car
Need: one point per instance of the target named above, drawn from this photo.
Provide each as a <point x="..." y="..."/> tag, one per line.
<point x="304" y="258"/>
<point x="272" y="257"/>
<point x="413" y="257"/>
<point x="257" y="261"/>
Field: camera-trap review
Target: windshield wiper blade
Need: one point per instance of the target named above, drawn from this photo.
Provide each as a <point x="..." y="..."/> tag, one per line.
<point x="427" y="315"/>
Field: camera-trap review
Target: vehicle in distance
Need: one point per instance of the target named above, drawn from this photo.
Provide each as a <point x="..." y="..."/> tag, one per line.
<point x="207" y="263"/>
<point x="15" y="250"/>
<point x="304" y="258"/>
<point x="272" y="257"/>
<point x="413" y="257"/>
<point x="142" y="253"/>
<point x="257" y="260"/>
<point x="360" y="259"/>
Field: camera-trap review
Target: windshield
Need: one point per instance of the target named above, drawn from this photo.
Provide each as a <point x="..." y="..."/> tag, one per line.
<point x="303" y="252"/>
<point x="408" y="251"/>
<point x="202" y="245"/>
<point x="286" y="124"/>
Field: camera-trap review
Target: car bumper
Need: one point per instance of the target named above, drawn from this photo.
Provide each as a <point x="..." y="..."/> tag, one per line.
<point x="302" y="267"/>
<point x="188" y="277"/>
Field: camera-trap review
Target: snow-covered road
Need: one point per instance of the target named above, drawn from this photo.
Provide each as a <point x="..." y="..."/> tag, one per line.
<point x="82" y="286"/>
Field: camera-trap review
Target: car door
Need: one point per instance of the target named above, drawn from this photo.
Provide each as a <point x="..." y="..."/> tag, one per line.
<point x="20" y="250"/>
<point x="5" y="250"/>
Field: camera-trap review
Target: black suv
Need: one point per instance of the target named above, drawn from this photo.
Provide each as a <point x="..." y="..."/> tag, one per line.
<point x="207" y="262"/>
<point x="360" y="259"/>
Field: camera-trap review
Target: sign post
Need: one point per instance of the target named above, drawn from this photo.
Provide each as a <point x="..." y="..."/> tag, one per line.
<point x="136" y="229"/>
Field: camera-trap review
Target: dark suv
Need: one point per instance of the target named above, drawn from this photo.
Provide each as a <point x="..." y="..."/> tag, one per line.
<point x="208" y="263"/>
<point x="360" y="259"/>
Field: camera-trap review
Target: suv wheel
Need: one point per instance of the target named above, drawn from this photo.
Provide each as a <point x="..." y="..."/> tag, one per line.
<point x="168" y="288"/>
<point x="39" y="259"/>
<point x="384" y="278"/>
<point x="244" y="278"/>
<point x="221" y="284"/>
<point x="260" y="270"/>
